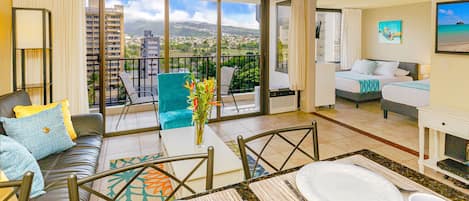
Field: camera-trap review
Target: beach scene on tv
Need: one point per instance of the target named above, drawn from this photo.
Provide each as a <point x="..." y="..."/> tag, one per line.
<point x="453" y="27"/>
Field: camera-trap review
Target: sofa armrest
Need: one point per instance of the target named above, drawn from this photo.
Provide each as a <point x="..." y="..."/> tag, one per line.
<point x="88" y="124"/>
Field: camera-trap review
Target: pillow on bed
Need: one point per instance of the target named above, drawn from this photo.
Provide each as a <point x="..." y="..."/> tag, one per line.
<point x="366" y="67"/>
<point x="386" y="68"/>
<point x="401" y="72"/>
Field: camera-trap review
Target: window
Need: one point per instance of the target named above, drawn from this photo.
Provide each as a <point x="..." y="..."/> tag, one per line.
<point x="328" y="35"/>
<point x="283" y="20"/>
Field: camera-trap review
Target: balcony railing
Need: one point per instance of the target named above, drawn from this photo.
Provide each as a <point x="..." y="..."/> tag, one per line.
<point x="144" y="73"/>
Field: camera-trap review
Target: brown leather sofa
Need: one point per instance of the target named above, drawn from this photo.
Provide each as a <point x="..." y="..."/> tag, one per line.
<point x="81" y="159"/>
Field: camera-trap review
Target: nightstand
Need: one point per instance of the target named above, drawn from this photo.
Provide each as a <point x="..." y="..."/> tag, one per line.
<point x="424" y="71"/>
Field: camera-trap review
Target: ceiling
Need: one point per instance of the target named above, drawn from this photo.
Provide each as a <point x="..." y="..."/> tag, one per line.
<point x="364" y="3"/>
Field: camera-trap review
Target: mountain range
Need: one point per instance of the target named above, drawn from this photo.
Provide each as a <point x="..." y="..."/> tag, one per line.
<point x="187" y="29"/>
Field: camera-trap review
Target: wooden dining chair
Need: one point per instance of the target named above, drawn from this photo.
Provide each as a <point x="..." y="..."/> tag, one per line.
<point x="21" y="187"/>
<point x="74" y="184"/>
<point x="309" y="130"/>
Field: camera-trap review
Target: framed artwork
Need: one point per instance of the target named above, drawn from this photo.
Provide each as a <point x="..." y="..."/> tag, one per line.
<point x="452" y="27"/>
<point x="390" y="32"/>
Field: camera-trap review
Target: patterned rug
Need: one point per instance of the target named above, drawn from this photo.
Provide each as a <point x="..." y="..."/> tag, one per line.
<point x="152" y="185"/>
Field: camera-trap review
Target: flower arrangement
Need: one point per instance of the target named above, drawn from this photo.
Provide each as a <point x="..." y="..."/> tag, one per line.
<point x="200" y="101"/>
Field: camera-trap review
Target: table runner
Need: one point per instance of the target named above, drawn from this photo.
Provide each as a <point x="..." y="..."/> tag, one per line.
<point x="276" y="189"/>
<point x="415" y="179"/>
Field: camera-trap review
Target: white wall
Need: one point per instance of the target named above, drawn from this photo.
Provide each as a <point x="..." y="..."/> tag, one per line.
<point x="276" y="79"/>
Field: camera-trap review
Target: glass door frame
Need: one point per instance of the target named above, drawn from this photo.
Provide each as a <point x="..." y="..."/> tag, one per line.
<point x="263" y="63"/>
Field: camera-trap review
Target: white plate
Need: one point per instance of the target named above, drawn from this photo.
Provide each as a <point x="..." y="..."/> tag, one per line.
<point x="331" y="181"/>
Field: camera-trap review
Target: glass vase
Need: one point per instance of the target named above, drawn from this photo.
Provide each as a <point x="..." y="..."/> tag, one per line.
<point x="199" y="133"/>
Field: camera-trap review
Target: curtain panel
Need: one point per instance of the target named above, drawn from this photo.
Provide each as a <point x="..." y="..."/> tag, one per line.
<point x="351" y="37"/>
<point x="297" y="44"/>
<point x="69" y="50"/>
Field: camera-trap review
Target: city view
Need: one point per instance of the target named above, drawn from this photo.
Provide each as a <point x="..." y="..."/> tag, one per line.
<point x="135" y="43"/>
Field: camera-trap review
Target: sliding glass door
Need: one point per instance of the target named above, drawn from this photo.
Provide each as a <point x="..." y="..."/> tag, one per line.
<point x="131" y="42"/>
<point x="240" y="58"/>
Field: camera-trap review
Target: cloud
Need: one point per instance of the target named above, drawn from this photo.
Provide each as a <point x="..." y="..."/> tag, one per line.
<point x="153" y="10"/>
<point x="446" y="12"/>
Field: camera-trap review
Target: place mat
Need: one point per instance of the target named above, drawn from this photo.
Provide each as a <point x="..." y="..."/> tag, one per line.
<point x="226" y="195"/>
<point x="276" y="189"/>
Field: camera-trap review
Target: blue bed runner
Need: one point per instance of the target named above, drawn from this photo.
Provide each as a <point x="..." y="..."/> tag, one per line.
<point x="421" y="85"/>
<point x="367" y="84"/>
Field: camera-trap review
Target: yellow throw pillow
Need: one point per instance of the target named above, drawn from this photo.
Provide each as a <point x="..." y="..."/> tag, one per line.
<point x="24" y="111"/>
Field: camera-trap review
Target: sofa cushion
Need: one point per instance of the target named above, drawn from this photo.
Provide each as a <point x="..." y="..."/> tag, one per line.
<point x="81" y="160"/>
<point x="26" y="111"/>
<point x="9" y="101"/>
<point x="15" y="160"/>
<point x="176" y="119"/>
<point x="42" y="134"/>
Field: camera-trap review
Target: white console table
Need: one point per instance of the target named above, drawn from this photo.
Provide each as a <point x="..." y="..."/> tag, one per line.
<point x="440" y="121"/>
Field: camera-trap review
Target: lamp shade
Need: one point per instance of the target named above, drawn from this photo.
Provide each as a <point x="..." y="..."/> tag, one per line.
<point x="30" y="30"/>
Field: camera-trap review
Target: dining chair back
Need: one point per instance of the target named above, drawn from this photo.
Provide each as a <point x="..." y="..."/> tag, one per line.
<point x="285" y="134"/>
<point x="21" y="187"/>
<point x="74" y="184"/>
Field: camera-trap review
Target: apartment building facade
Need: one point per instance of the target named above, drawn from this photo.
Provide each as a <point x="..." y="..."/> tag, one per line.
<point x="115" y="40"/>
<point x="150" y="48"/>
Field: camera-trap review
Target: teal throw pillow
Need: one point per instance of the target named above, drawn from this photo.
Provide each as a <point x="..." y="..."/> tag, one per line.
<point x="42" y="134"/>
<point x="16" y="160"/>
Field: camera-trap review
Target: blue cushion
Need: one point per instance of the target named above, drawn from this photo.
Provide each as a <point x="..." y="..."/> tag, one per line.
<point x="16" y="160"/>
<point x="176" y="119"/>
<point x="172" y="95"/>
<point x="42" y="134"/>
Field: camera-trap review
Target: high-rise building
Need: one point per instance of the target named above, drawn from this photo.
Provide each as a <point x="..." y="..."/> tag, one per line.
<point x="150" y="48"/>
<point x="115" y="41"/>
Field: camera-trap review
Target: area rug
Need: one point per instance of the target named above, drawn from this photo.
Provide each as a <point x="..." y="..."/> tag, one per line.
<point x="152" y="185"/>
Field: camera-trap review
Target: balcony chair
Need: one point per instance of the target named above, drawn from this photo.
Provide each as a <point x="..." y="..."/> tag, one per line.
<point x="21" y="187"/>
<point x="74" y="184"/>
<point x="225" y="84"/>
<point x="283" y="134"/>
<point x="172" y="101"/>
<point x="133" y="97"/>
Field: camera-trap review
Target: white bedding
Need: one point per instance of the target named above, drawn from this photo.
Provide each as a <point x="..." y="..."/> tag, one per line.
<point x="354" y="86"/>
<point x="405" y="95"/>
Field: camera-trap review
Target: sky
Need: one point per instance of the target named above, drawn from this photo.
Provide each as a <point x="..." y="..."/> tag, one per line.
<point x="452" y="13"/>
<point x="233" y="14"/>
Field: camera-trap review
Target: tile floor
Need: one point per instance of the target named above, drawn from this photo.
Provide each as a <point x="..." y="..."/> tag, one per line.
<point x="369" y="117"/>
<point x="333" y="140"/>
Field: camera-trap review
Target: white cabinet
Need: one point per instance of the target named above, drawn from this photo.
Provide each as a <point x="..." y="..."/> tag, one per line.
<point x="325" y="84"/>
<point x="440" y="121"/>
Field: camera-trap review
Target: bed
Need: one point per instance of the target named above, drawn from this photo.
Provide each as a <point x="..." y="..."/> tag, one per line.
<point x="350" y="89"/>
<point x="405" y="97"/>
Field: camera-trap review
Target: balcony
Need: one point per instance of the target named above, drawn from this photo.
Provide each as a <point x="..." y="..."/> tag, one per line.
<point x="144" y="73"/>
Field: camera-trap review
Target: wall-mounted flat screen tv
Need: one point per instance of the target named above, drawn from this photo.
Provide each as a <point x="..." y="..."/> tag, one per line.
<point x="452" y="27"/>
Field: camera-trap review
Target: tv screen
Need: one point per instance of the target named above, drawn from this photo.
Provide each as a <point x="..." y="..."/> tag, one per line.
<point x="452" y="27"/>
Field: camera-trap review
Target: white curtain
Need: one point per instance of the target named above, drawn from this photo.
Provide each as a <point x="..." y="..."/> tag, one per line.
<point x="351" y="37"/>
<point x="297" y="61"/>
<point x="69" y="50"/>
